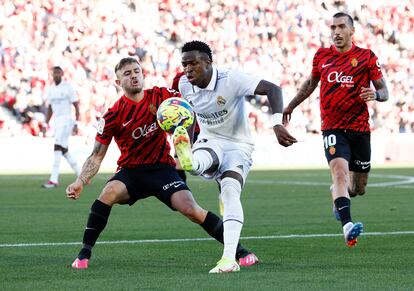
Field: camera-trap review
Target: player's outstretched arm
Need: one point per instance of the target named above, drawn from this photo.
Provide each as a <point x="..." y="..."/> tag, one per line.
<point x="274" y="95"/>
<point x="381" y="93"/>
<point x="89" y="170"/>
<point x="304" y="92"/>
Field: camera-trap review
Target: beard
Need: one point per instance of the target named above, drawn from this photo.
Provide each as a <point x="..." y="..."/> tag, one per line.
<point x="134" y="90"/>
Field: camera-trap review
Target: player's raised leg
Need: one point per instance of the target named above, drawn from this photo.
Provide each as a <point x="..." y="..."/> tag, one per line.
<point x="182" y="146"/>
<point x="203" y="159"/>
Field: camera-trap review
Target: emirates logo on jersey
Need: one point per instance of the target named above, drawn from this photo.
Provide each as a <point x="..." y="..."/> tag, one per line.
<point x="354" y="62"/>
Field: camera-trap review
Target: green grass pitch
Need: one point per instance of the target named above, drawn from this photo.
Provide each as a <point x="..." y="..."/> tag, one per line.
<point x="288" y="224"/>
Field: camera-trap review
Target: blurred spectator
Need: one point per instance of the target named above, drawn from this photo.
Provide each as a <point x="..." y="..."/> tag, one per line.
<point x="275" y="37"/>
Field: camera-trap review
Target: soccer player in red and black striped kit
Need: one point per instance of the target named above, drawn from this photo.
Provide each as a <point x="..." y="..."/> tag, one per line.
<point x="345" y="71"/>
<point x="145" y="167"/>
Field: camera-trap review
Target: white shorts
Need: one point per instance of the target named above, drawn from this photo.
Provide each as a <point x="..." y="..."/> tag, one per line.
<point x="63" y="130"/>
<point x="233" y="156"/>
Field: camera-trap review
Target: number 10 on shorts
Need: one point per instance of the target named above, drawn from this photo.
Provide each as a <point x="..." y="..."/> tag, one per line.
<point x="329" y="140"/>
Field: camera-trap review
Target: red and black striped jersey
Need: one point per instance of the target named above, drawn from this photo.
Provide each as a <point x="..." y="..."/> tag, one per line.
<point x="134" y="127"/>
<point x="342" y="75"/>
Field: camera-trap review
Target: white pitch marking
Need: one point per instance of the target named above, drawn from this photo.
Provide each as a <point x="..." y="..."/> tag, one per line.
<point x="403" y="184"/>
<point x="288" y="236"/>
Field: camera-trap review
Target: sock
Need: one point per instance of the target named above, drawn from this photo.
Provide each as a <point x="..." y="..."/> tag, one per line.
<point x="72" y="162"/>
<point x="343" y="205"/>
<point x="98" y="217"/>
<point x="85" y="252"/>
<point x="54" y="177"/>
<point x="202" y="161"/>
<point x="233" y="217"/>
<point x="182" y="175"/>
<point x="213" y="225"/>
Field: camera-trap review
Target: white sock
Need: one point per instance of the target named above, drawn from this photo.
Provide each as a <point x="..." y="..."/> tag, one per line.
<point x="233" y="217"/>
<point x="54" y="177"/>
<point x="202" y="161"/>
<point x="72" y="162"/>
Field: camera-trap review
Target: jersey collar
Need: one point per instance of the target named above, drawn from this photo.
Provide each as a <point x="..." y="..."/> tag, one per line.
<point x="212" y="85"/>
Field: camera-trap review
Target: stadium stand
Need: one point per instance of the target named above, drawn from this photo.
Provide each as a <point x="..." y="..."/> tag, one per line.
<point x="88" y="37"/>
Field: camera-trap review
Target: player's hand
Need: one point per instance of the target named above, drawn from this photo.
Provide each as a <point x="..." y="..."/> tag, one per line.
<point x="367" y="94"/>
<point x="287" y="114"/>
<point x="74" y="190"/>
<point x="283" y="136"/>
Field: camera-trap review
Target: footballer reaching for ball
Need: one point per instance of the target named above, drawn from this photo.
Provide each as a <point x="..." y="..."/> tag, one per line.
<point x="224" y="146"/>
<point x="345" y="71"/>
<point x="145" y="167"/>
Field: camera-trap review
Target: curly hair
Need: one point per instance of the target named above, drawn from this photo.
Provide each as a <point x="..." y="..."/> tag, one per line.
<point x="197" y="45"/>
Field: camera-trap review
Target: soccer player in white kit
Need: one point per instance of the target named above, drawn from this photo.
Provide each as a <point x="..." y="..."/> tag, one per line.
<point x="61" y="97"/>
<point x="224" y="146"/>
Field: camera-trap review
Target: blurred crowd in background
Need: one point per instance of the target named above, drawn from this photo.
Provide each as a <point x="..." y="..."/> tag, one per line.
<point x="275" y="39"/>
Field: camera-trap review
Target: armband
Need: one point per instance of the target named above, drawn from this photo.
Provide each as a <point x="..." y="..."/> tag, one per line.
<point x="277" y="119"/>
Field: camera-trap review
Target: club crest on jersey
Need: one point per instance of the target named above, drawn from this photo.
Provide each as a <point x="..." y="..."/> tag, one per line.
<point x="153" y="109"/>
<point x="332" y="150"/>
<point x="221" y="101"/>
<point x="101" y="125"/>
<point x="354" y="62"/>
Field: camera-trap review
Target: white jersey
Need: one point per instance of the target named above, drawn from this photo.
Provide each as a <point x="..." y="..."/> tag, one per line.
<point x="221" y="107"/>
<point x="61" y="97"/>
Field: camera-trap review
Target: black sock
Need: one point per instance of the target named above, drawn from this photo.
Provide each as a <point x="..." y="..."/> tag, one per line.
<point x="213" y="225"/>
<point x="343" y="205"/>
<point x="98" y="217"/>
<point x="85" y="252"/>
<point x="182" y="175"/>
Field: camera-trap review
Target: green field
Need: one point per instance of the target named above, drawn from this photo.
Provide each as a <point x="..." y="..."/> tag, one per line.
<point x="288" y="224"/>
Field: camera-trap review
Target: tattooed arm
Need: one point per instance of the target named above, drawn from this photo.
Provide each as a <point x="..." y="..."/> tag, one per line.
<point x="381" y="93"/>
<point x="89" y="170"/>
<point x="304" y="92"/>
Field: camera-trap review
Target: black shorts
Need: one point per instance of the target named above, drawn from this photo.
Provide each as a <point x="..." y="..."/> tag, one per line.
<point x="161" y="181"/>
<point x="353" y="146"/>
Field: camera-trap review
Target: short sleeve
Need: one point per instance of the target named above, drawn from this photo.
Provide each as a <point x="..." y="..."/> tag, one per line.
<point x="176" y="80"/>
<point x="374" y="67"/>
<point x="106" y="127"/>
<point x="245" y="84"/>
<point x="169" y="93"/>
<point x="315" y="64"/>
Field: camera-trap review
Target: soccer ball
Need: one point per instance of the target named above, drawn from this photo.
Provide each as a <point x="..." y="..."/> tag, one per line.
<point x="174" y="112"/>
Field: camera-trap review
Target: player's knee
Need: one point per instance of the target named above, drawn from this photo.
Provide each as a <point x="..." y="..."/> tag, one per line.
<point x="341" y="176"/>
<point x="111" y="195"/>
